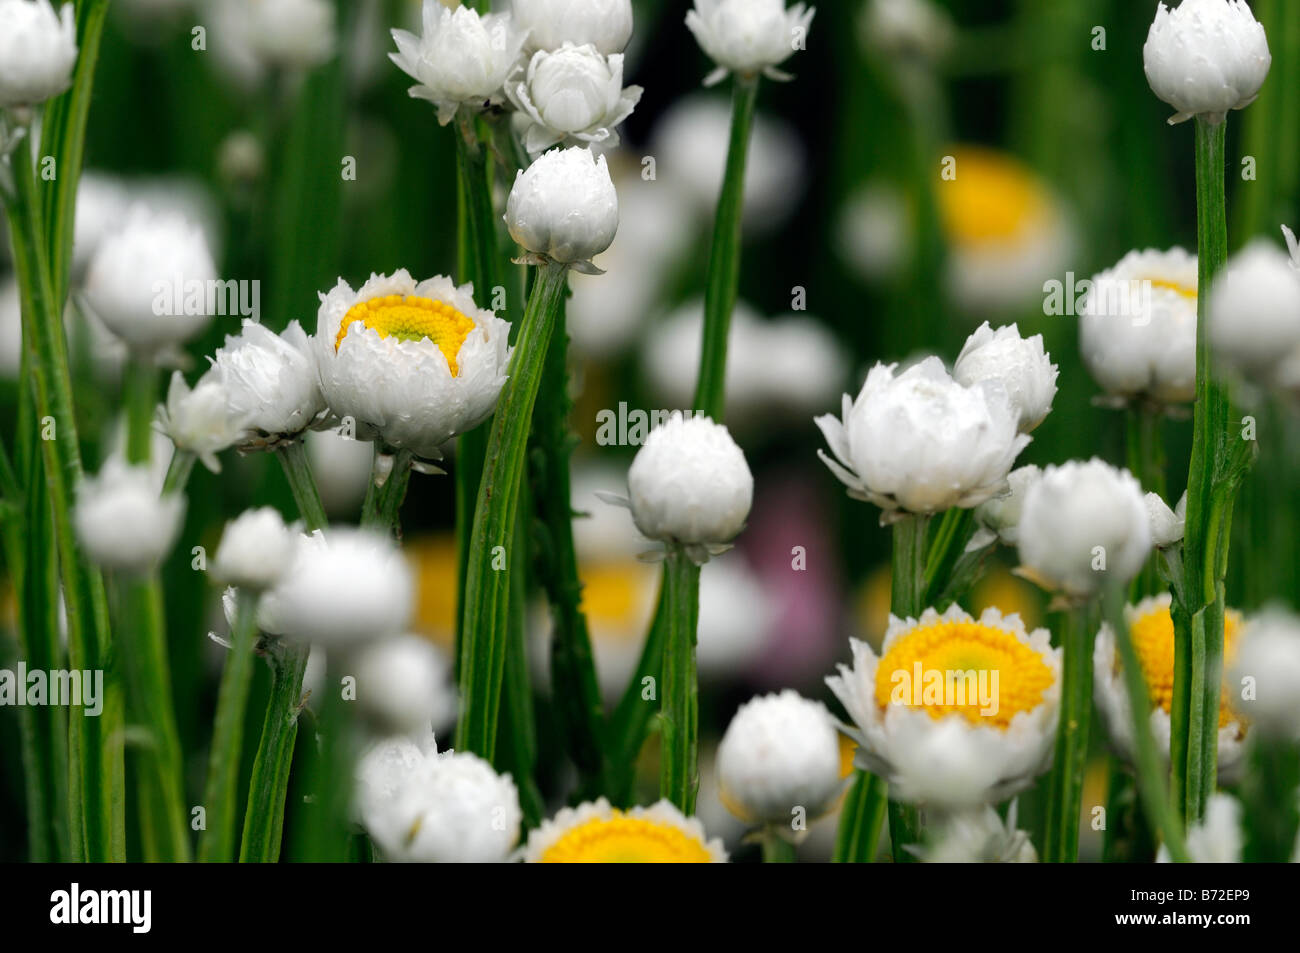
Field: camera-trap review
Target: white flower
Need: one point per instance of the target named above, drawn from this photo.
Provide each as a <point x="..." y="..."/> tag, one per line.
<point x="1137" y="326"/>
<point x="1217" y="838"/>
<point x="979" y="836"/>
<point x="922" y="442"/>
<point x="349" y="587"/>
<point x="749" y="36"/>
<point x="271" y="381"/>
<point x="1084" y="526"/>
<point x="425" y="807"/>
<point x="404" y="685"/>
<point x="294" y="34"/>
<point x="606" y="24"/>
<point x="255" y="550"/>
<point x="460" y="58"/>
<point x="1019" y="365"/>
<point x="999" y="517"/>
<point x="1269" y="655"/>
<point x="573" y="95"/>
<point x="1254" y="309"/>
<point x="202" y="421"/>
<point x="905" y="28"/>
<point x="1167" y="526"/>
<point x="102" y="203"/>
<point x="121" y="520"/>
<point x="780" y="752"/>
<point x="876" y="232"/>
<point x="1206" y="57"/>
<point x="690" y="485"/>
<point x="414" y="364"/>
<point x="564" y="206"/>
<point x="1151" y="628"/>
<point x="38" y="50"/>
<point x="148" y="283"/>
<point x="595" y="832"/>
<point x="988" y="741"/>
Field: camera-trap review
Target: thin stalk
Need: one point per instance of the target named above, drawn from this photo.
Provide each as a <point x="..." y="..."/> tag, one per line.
<point x="487" y="590"/>
<point x="724" y="256"/>
<point x="217" y="843"/>
<point x="858" y="838"/>
<point x="679" y="716"/>
<point x="1065" y="783"/>
<point x="520" y="729"/>
<point x="383" y="503"/>
<point x="632" y="718"/>
<point x="907" y="592"/>
<point x="776" y="849"/>
<point x="297" y="470"/>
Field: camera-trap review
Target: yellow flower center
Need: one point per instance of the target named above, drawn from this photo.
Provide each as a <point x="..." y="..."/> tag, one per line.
<point x="991" y="198"/>
<point x="1185" y="291"/>
<point x="410" y="318"/>
<point x="1153" y="637"/>
<point x="614" y="597"/>
<point x="983" y="673"/>
<point x="626" y="840"/>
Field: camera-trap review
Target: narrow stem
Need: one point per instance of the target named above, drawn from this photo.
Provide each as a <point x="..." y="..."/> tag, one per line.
<point x="724" y="256"/>
<point x="217" y="843"/>
<point x="178" y="472"/>
<point x="140" y="389"/>
<point x="297" y="470"/>
<point x="945" y="550"/>
<point x="907" y="591"/>
<point x="520" y="729"/>
<point x="383" y="503"/>
<point x="1065" y="783"/>
<point x="858" y="838"/>
<point x="632" y="718"/>
<point x="776" y="849"/>
<point x="679" y="716"/>
<point x="487" y="591"/>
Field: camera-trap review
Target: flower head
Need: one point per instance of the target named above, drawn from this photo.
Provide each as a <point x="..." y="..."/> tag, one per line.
<point x="38" y="50"/>
<point x="1084" y="526"/>
<point x="1167" y="526"/>
<point x="255" y="550"/>
<point x="595" y="832"/>
<point x="294" y="34"/>
<point x="564" y="206"/>
<point x="955" y="712"/>
<point x="999" y="517"/>
<point x="1254" y="309"/>
<point x="979" y="836"/>
<point x="413" y="364"/>
<point x="404" y="685"/>
<point x="605" y="24"/>
<point x="202" y="421"/>
<point x="749" y="36"/>
<point x="272" y="383"/>
<point x="460" y="59"/>
<point x="1020" y="366"/>
<point x="573" y="95"/>
<point x="779" y="753"/>
<point x="922" y="442"/>
<point x="1206" y="57"/>
<point x="1264" y="681"/>
<point x="122" y="521"/>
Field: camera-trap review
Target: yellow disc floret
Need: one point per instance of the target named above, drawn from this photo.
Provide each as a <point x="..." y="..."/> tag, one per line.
<point x="1153" y="637"/>
<point x="981" y="672"/>
<point x="411" y="318"/>
<point x="990" y="197"/>
<point x="620" y="839"/>
<point x="1186" y="291"/>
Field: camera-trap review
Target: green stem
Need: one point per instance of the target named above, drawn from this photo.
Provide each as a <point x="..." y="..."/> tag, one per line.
<point x="520" y="729"/>
<point x="679" y="716"/>
<point x="776" y="849"/>
<point x="178" y="472"/>
<point x="632" y="718"/>
<point x="907" y="592"/>
<point x="217" y="843"/>
<point x="858" y="838"/>
<point x="297" y="470"/>
<point x="1065" y="783"/>
<point x="140" y="393"/>
<point x="384" y="503"/>
<point x="724" y="256"/>
<point x="487" y="591"/>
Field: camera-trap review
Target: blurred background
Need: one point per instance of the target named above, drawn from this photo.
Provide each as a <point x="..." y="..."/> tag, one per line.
<point x="853" y="255"/>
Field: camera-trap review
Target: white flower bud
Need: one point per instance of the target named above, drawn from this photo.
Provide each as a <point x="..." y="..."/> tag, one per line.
<point x="202" y="421"/>
<point x="573" y="95"/>
<point x="1254" y="309"/>
<point x="999" y="517"/>
<point x="121" y="520"/>
<point x="1167" y="526"/>
<point x="564" y="206"/>
<point x="38" y="51"/>
<point x="293" y="34"/>
<point x="1217" y="838"/>
<point x="748" y="36"/>
<point x="1264" y="680"/>
<point x="605" y="24"/>
<point x="780" y="752"/>
<point x="1084" y="526"/>
<point x="255" y="550"/>
<point x="460" y="58"/>
<point x="1206" y="57"/>
<point x="272" y="382"/>
<point x="404" y="685"/>
<point x="690" y="484"/>
<point x="1019" y="365"/>
<point x="922" y="442"/>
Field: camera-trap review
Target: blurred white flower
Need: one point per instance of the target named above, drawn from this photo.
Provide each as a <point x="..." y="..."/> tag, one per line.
<point x="1167" y="526"/>
<point x="564" y="206"/>
<point x="102" y="203"/>
<point x="780" y="754"/>
<point x="595" y="832"/>
<point x="1218" y="838"/>
<point x="347" y="587"/>
<point x="38" y="51"/>
<point x="460" y="58"/>
<point x="1137" y="327"/>
<point x="689" y="485"/>
<point x="736" y="621"/>
<point x="907" y="28"/>
<point x="341" y="466"/>
<point x="953" y="749"/>
<point x="1264" y="681"/>
<point x="271" y="381"/>
<point x="1084" y="526"/>
<point x="1254" y="309"/>
<point x="1019" y="365"/>
<point x="412" y="364"/>
<point x="876" y="232"/>
<point x="140" y="275"/>
<point x="1206" y="57"/>
<point x="121" y="520"/>
<point x="999" y="517"/>
<point x="256" y="548"/>
<point x="291" y="34"/>
<point x="202" y="421"/>
<point x="979" y="836"/>
<point x="573" y="95"/>
<point x="404" y="685"/>
<point x="606" y="24"/>
<point x="748" y="37"/>
<point x="922" y="442"/>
